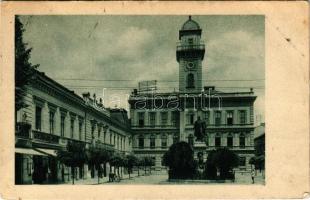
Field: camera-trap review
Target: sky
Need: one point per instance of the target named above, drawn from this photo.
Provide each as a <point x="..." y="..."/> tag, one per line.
<point x="109" y="55"/>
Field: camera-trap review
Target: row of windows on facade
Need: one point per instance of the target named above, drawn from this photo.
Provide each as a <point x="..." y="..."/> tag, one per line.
<point x="152" y="118"/>
<point x="38" y="125"/>
<point x="191" y="118"/>
<point x="164" y="139"/>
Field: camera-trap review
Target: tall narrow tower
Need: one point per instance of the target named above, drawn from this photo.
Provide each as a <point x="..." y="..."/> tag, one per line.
<point x="190" y="53"/>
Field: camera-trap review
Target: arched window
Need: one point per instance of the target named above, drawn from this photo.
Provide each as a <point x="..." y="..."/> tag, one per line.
<point x="190" y="81"/>
<point x="230" y="140"/>
<point x="152" y="141"/>
<point x="141" y="141"/>
<point x="242" y="140"/>
<point x="164" y="141"/>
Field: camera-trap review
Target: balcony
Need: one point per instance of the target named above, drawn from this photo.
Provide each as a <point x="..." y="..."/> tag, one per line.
<point x="100" y="145"/>
<point x="193" y="51"/>
<point x="173" y="126"/>
<point x="22" y="130"/>
<point x="45" y="137"/>
<point x="190" y="47"/>
<point x="148" y="148"/>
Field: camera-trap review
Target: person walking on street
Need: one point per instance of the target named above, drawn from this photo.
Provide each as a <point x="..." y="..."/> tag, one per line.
<point x="252" y="176"/>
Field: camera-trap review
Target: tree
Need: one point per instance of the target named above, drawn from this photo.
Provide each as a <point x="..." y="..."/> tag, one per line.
<point x="180" y="160"/>
<point x="130" y="161"/>
<point x="24" y="70"/>
<point x="74" y="156"/>
<point x="117" y="161"/>
<point x="224" y="160"/>
<point x="139" y="164"/>
<point x="147" y="162"/>
<point x="98" y="156"/>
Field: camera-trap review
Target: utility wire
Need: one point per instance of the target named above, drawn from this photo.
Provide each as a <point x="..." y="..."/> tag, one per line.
<point x="121" y="80"/>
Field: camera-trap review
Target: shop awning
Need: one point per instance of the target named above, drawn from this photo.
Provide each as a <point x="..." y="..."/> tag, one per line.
<point x="28" y="151"/>
<point x="49" y="152"/>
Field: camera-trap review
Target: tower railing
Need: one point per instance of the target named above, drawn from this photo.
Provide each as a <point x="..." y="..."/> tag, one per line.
<point x="182" y="47"/>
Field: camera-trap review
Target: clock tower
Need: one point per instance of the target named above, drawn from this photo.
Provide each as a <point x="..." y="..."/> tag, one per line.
<point x="190" y="53"/>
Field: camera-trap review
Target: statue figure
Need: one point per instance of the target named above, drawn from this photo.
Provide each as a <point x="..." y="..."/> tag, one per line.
<point x="200" y="129"/>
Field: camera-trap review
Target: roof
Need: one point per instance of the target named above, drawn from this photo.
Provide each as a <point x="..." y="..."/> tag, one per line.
<point x="190" y="24"/>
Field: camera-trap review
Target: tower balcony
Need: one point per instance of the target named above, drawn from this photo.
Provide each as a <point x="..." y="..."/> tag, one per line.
<point x="188" y="51"/>
<point x="189" y="47"/>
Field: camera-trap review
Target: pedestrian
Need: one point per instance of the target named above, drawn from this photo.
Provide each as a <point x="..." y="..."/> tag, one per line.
<point x="252" y="176"/>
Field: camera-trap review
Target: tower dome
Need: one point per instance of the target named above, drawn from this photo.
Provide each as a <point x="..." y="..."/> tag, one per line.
<point x="190" y="25"/>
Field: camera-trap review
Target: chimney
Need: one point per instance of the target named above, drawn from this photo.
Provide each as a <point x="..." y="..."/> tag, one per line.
<point x="86" y="96"/>
<point x="207" y="88"/>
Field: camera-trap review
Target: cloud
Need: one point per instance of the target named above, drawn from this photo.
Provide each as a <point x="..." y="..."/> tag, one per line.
<point x="237" y="54"/>
<point x="143" y="48"/>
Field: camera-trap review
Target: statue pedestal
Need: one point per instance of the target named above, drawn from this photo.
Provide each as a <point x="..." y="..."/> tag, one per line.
<point x="199" y="144"/>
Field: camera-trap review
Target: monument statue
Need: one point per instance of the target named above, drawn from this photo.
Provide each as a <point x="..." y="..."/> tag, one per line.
<point x="200" y="129"/>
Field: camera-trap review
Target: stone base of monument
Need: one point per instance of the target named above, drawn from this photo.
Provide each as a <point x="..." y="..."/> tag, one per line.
<point x="199" y="144"/>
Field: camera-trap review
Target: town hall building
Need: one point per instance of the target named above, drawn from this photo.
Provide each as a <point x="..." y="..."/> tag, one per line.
<point x="160" y="119"/>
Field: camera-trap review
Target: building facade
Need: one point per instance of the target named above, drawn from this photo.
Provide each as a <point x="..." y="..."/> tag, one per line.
<point x="161" y="119"/>
<point x="259" y="143"/>
<point x="56" y="116"/>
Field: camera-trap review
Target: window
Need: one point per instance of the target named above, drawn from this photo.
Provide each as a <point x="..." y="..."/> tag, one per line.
<point x="38" y="117"/>
<point x="164" y="118"/>
<point x="52" y="121"/>
<point x="99" y="131"/>
<point x="164" y="141"/>
<point x="141" y="119"/>
<point x="110" y="138"/>
<point x="242" y="140"/>
<point x="114" y="140"/>
<point x="217" y="118"/>
<point x="191" y="139"/>
<point x="92" y="131"/>
<point x="174" y="118"/>
<point x="71" y="127"/>
<point x="190" y="41"/>
<point x="229" y="117"/>
<point x="152" y="118"/>
<point x="80" y="129"/>
<point x="141" y="142"/>
<point x="175" y="138"/>
<point x="190" y="118"/>
<point x="242" y="161"/>
<point x="217" y="140"/>
<point x="206" y="117"/>
<point x="190" y="81"/>
<point x="104" y="135"/>
<point x="230" y="140"/>
<point x="152" y="141"/>
<point x="62" y="125"/>
<point x="242" y="115"/>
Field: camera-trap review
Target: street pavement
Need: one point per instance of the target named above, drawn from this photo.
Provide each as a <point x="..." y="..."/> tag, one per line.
<point x="162" y="178"/>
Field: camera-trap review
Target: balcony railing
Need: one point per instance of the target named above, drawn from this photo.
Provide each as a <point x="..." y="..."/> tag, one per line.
<point x="155" y="126"/>
<point x="229" y="125"/>
<point x="45" y="137"/>
<point x="22" y="129"/>
<point x="190" y="47"/>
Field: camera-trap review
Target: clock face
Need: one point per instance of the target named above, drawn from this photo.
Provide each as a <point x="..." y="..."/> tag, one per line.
<point x="190" y="65"/>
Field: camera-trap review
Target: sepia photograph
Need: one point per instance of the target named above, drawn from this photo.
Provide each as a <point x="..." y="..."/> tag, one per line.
<point x="139" y="99"/>
<point x="154" y="100"/>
